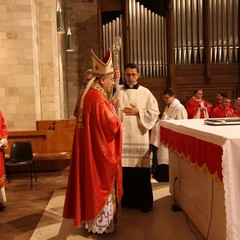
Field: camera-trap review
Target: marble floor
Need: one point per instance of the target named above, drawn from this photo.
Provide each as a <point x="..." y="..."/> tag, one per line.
<point x="36" y="214"/>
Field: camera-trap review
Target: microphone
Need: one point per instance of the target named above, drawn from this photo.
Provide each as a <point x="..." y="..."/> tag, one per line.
<point x="175" y="207"/>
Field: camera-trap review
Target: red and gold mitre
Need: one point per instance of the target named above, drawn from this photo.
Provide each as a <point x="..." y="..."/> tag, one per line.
<point x="104" y="67"/>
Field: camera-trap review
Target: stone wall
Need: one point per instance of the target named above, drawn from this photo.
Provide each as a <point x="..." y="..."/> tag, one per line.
<point x="17" y="64"/>
<point x="84" y="27"/>
<point x="38" y="80"/>
<point x="29" y="63"/>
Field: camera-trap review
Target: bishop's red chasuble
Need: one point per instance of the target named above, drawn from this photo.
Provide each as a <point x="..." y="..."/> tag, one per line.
<point x="95" y="166"/>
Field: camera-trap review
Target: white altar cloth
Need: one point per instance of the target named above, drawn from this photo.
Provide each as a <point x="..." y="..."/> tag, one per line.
<point x="228" y="137"/>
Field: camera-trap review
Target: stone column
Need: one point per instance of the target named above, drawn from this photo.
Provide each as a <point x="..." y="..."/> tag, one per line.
<point x="31" y="63"/>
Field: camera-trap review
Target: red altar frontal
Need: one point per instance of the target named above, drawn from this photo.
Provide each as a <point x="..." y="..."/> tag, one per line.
<point x="205" y="161"/>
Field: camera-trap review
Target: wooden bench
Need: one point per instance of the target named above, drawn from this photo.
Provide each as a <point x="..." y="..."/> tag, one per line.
<point x="51" y="143"/>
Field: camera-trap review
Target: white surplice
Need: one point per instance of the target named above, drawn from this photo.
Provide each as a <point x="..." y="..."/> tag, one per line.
<point x="136" y="128"/>
<point x="175" y="110"/>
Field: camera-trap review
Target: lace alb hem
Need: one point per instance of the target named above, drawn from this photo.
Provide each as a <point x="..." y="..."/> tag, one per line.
<point x="104" y="222"/>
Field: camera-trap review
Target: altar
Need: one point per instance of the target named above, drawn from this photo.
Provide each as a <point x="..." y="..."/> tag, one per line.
<point x="204" y="169"/>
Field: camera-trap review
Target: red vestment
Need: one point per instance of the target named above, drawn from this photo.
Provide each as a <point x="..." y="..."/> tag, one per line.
<point x="96" y="160"/>
<point x="192" y="106"/>
<point x="236" y="114"/>
<point x="3" y="134"/>
<point x="220" y="112"/>
<point x="216" y="104"/>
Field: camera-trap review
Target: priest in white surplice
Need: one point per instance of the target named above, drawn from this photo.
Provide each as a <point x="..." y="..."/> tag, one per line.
<point x="173" y="110"/>
<point x="138" y="112"/>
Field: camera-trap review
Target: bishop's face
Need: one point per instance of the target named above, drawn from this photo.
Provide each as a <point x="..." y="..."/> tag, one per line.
<point x="107" y="82"/>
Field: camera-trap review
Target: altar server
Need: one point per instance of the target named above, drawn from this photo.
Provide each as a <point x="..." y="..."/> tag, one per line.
<point x="139" y="112"/>
<point x="174" y="110"/>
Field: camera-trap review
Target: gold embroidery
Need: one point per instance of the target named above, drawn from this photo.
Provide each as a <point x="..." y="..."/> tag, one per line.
<point x="97" y="87"/>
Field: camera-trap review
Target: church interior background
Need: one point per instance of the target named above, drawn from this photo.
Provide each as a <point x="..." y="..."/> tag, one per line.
<point x="182" y="44"/>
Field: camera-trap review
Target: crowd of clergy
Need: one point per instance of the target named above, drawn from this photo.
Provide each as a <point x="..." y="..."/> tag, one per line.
<point x="224" y="106"/>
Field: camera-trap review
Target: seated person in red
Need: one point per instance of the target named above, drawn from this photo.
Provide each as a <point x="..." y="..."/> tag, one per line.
<point x="196" y="106"/>
<point x="219" y="98"/>
<point x="223" y="110"/>
<point x="236" y="113"/>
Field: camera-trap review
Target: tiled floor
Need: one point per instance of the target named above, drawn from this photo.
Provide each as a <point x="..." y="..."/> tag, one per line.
<point x="37" y="214"/>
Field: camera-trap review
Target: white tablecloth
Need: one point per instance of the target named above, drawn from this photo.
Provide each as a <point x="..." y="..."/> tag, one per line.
<point x="228" y="137"/>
